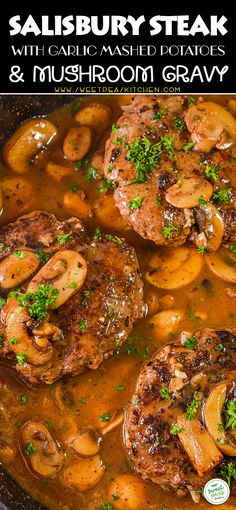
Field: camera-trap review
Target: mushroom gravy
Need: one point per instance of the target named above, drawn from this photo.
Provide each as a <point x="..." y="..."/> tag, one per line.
<point x="95" y="399"/>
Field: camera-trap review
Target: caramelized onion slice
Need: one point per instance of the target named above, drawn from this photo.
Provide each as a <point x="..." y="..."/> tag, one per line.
<point x="17" y="267"/>
<point x="185" y="194"/>
<point x="223" y="264"/>
<point x="172" y="268"/>
<point x="65" y="271"/>
<point x="83" y="474"/>
<point x="199" y="445"/>
<point x="40" y="450"/>
<point x="24" y="144"/>
<point x="213" y="418"/>
<point x="210" y="125"/>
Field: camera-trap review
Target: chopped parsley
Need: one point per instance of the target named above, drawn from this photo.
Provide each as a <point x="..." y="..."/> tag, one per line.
<point x="110" y="313"/>
<point x="221" y="441"/>
<point x="65" y="238"/>
<point x="144" y="155"/>
<point x="114" y="239"/>
<point x="201" y="249"/>
<point x="188" y="146"/>
<point x="168" y="144"/>
<point x="115" y="497"/>
<point x="230" y="415"/>
<point x="81" y="163"/>
<point x="114" y="128"/>
<point x="164" y="393"/>
<point x="192" y="409"/>
<point x="120" y="388"/>
<point x="179" y="124"/>
<point x="2" y="302"/>
<point x="83" y="325"/>
<point x="232" y="248"/>
<point x="135" y="203"/>
<point x="222" y="196"/>
<point x="30" y="448"/>
<point x="74" y="187"/>
<point x="159" y="114"/>
<point x="1" y="339"/>
<point x="104" y="417"/>
<point x="97" y="234"/>
<point x="219" y="347"/>
<point x="109" y="169"/>
<point x="106" y="185"/>
<point x="202" y="202"/>
<point x="74" y="108"/>
<point x="72" y="285"/>
<point x="91" y="173"/>
<point x="13" y="341"/>
<point x="193" y="317"/>
<point x="167" y="231"/>
<point x="19" y="254"/>
<point x="21" y="358"/>
<point x="38" y="302"/>
<point x="211" y="172"/>
<point x="191" y="343"/>
<point x="83" y="400"/>
<point x="220" y="427"/>
<point x="191" y="100"/>
<point x="106" y="506"/>
<point x="228" y="472"/>
<point x="174" y="429"/>
<point x="23" y="399"/>
<point x="42" y="256"/>
<point x="158" y="201"/>
<point x="119" y="140"/>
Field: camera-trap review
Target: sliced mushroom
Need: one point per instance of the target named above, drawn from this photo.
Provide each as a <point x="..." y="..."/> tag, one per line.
<point x="65" y="271"/>
<point x="130" y="492"/>
<point x="57" y="172"/>
<point x="198" y="445"/>
<point x="95" y="115"/>
<point x="213" y="418"/>
<point x="186" y="194"/>
<point x="37" y="349"/>
<point x="83" y="474"/>
<point x="26" y="142"/>
<point x="108" y="214"/>
<point x="1" y="200"/>
<point x="211" y="126"/>
<point x="213" y="227"/>
<point x="76" y="204"/>
<point x="166" y="323"/>
<point x="173" y="268"/>
<point x="223" y="264"/>
<point x="40" y="450"/>
<point x="17" y="267"/>
<point x="77" y="143"/>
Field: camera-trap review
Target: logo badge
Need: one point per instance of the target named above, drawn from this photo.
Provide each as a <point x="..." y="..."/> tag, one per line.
<point x="216" y="491"/>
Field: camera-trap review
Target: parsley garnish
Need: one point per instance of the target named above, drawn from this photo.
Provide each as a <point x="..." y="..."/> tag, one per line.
<point x="74" y="187"/>
<point x="30" y="448"/>
<point x="168" y="144"/>
<point x="230" y="415"/>
<point x="159" y="114"/>
<point x="72" y="285"/>
<point x="219" y="347"/>
<point x="91" y="173"/>
<point x="42" y="256"/>
<point x="74" y="108"/>
<point x="167" y="231"/>
<point x="119" y="140"/>
<point x="164" y="392"/>
<point x="222" y="196"/>
<point x="65" y="238"/>
<point x="120" y="388"/>
<point x="191" y="343"/>
<point x="114" y="239"/>
<point x="23" y="399"/>
<point x="211" y="172"/>
<point x="188" y="146"/>
<point x="174" y="429"/>
<point x="19" y="254"/>
<point x="1" y="339"/>
<point x="21" y="358"/>
<point x="158" y="201"/>
<point x="2" y="302"/>
<point x="191" y="100"/>
<point x="192" y="409"/>
<point x="104" y="417"/>
<point x="81" y="163"/>
<point x="114" y="128"/>
<point x="179" y="124"/>
<point x="228" y="472"/>
<point x="13" y="341"/>
<point x="201" y="249"/>
<point x="106" y="185"/>
<point x="144" y="155"/>
<point x="202" y="202"/>
<point x="193" y="317"/>
<point x="83" y="325"/>
<point x="38" y="302"/>
<point x="97" y="234"/>
<point x="106" y="506"/>
<point x="135" y="203"/>
<point x="232" y="248"/>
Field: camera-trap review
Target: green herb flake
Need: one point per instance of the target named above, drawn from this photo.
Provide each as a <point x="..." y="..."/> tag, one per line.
<point x="228" y="472"/>
<point x="97" y="234"/>
<point x="174" y="429"/>
<point x="114" y="239"/>
<point x="232" y="249"/>
<point x="219" y="347"/>
<point x="164" y="393"/>
<point x="220" y="427"/>
<point x="144" y="155"/>
<point x="211" y="172"/>
<point x="38" y="302"/>
<point x="191" y="101"/>
<point x="106" y="506"/>
<point x="21" y="358"/>
<point x="222" y="196"/>
<point x="104" y="417"/>
<point x="191" y="343"/>
<point x="159" y="114"/>
<point x="80" y="164"/>
<point x="120" y="388"/>
<point x="109" y="169"/>
<point x="30" y="448"/>
<point x="192" y="409"/>
<point x="167" y="231"/>
<point x="83" y="325"/>
<point x="221" y="441"/>
<point x="49" y="423"/>
<point x="13" y="341"/>
<point x="119" y="140"/>
<point x="19" y="254"/>
<point x="193" y="317"/>
<point x="83" y="400"/>
<point x="65" y="238"/>
<point x="201" y="249"/>
<point x="2" y="302"/>
<point x="91" y="173"/>
<point x="72" y="285"/>
<point x="230" y="415"/>
<point x="106" y="185"/>
<point x="110" y="313"/>
<point x="114" y="128"/>
<point x="1" y="339"/>
<point x="158" y="202"/>
<point x="42" y="256"/>
<point x="23" y="399"/>
<point x="135" y="203"/>
<point x="202" y="202"/>
<point x="74" y="108"/>
<point x="188" y="146"/>
<point x="74" y="187"/>
<point x="115" y="497"/>
<point x="179" y="124"/>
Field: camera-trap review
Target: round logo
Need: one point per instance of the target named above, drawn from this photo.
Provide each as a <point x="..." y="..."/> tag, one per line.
<point x="216" y="491"/>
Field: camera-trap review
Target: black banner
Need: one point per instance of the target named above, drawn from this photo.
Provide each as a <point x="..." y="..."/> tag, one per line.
<point x="156" y="50"/>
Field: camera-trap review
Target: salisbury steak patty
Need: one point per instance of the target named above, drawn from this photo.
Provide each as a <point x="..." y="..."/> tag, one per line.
<point x="173" y="396"/>
<point x="97" y="317"/>
<point x="163" y="178"/>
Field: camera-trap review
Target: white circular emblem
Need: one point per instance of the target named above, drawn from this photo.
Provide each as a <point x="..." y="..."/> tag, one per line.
<point x="216" y="491"/>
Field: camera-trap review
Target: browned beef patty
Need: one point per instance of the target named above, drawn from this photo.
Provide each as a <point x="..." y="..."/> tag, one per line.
<point x="97" y="317"/>
<point x="150" y="121"/>
<point x="155" y="452"/>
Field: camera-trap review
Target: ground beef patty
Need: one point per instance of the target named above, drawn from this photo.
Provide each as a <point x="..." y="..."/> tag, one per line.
<point x="99" y="316"/>
<point x="150" y="150"/>
<point x="168" y="385"/>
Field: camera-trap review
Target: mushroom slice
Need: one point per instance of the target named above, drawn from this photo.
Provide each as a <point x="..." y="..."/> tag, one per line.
<point x="1" y="200"/>
<point x="198" y="445"/>
<point x="172" y="268"/>
<point x="223" y="264"/>
<point x="87" y="444"/>
<point x="82" y="474"/>
<point x="36" y="349"/>
<point x="210" y="125"/>
<point x="39" y="449"/>
<point x="213" y="418"/>
<point x="65" y="271"/>
<point x="24" y="144"/>
<point x="213" y="227"/>
<point x="95" y="115"/>
<point x="77" y="143"/>
<point x="130" y="492"/>
<point x="17" y="267"/>
<point x="186" y="194"/>
<point x="108" y="214"/>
